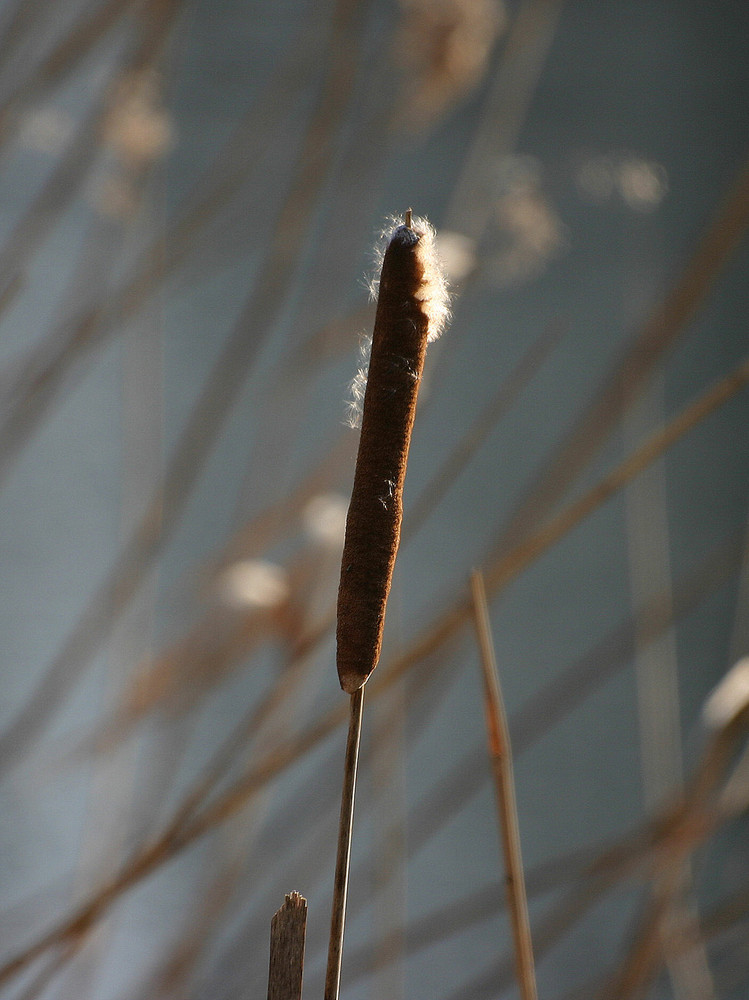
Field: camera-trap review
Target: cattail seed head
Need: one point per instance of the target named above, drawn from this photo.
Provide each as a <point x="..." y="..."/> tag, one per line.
<point x="412" y="309"/>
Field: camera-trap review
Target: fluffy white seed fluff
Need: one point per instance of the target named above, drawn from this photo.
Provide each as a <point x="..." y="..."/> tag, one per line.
<point x="433" y="296"/>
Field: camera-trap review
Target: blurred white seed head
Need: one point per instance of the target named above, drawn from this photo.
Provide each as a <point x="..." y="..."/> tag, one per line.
<point x="527" y="231"/>
<point x="729" y="698"/>
<point x="138" y="127"/>
<point x="458" y="255"/>
<point x="324" y="518"/>
<point x="641" y="183"/>
<point x="254" y="583"/>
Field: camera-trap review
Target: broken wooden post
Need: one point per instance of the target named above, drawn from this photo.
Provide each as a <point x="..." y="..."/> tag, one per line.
<point x="287" y="931"/>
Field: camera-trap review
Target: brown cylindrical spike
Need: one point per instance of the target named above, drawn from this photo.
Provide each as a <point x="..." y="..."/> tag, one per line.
<point x="411" y="307"/>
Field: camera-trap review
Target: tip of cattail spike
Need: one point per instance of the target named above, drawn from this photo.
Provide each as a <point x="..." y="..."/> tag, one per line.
<point x="351" y="680"/>
<point x="407" y="218"/>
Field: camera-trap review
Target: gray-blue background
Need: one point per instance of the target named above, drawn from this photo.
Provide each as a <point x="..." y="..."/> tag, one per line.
<point x="581" y="151"/>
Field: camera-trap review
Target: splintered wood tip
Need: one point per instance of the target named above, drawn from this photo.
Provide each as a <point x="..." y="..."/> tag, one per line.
<point x="287" y="938"/>
<point x="407" y="218"/>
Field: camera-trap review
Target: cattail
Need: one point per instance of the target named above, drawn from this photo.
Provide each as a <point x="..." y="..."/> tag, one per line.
<point x="411" y="310"/>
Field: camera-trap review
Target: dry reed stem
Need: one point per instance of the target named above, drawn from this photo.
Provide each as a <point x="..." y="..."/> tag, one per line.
<point x="657" y="444"/>
<point x="500" y="753"/>
<point x="116" y="790"/>
<point x="343" y="853"/>
<point x="18" y="28"/>
<point x="38" y="985"/>
<point x="34" y="383"/>
<point x="420" y="696"/>
<point x="172" y="976"/>
<point x="658" y="703"/>
<point x="649" y="572"/>
<point x="183" y="829"/>
<point x="559" y="697"/>
<point x="549" y="705"/>
<point x="651" y="948"/>
<point x="282" y="691"/>
<point x="443" y="52"/>
<point x="634" y="977"/>
<point x="302" y="857"/>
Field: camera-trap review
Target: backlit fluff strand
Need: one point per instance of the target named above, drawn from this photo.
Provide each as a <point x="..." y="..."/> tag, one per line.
<point x="433" y="295"/>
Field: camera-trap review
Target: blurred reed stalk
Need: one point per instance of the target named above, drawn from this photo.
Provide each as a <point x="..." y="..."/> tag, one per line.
<point x="500" y="752"/>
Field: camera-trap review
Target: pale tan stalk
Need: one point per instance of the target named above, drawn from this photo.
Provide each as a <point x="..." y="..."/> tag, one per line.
<point x="500" y="753"/>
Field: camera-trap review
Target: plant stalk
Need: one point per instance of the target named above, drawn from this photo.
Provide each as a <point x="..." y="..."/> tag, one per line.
<point x="501" y="757"/>
<point x="345" y="827"/>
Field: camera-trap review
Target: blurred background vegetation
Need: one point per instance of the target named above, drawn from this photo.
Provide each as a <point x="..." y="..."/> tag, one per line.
<point x="191" y="191"/>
